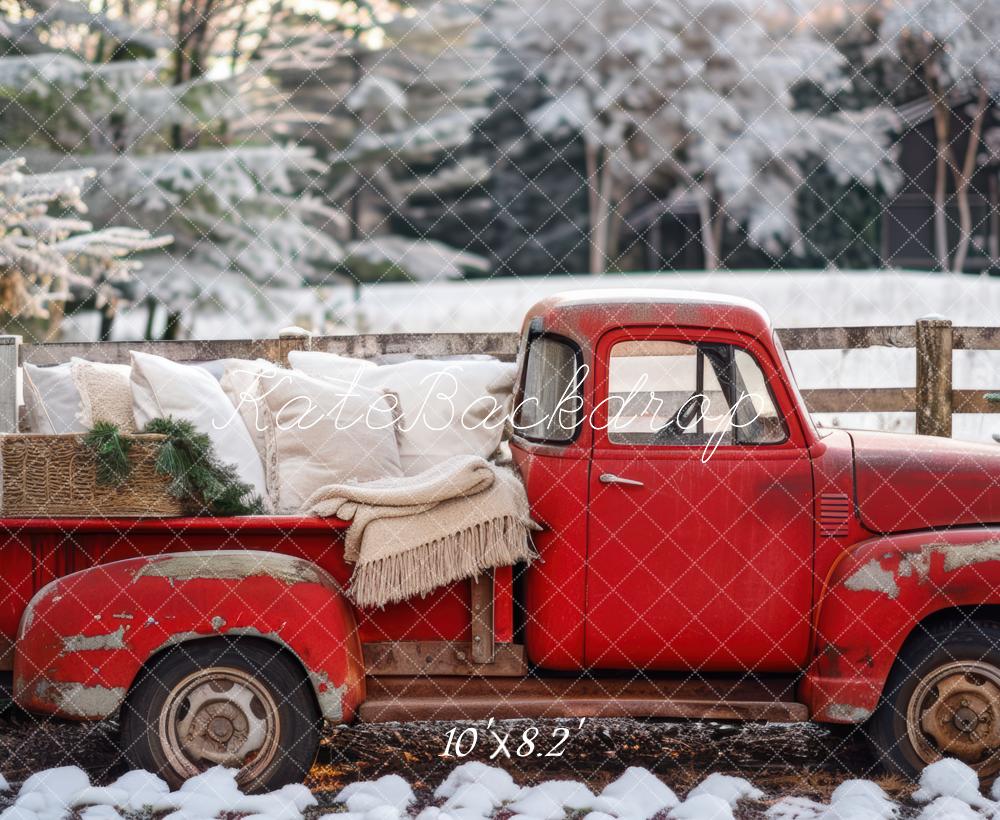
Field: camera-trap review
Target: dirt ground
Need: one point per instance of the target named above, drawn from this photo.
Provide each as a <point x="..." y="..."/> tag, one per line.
<point x="801" y="759"/>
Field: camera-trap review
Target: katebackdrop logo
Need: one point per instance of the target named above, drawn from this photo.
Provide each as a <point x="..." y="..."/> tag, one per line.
<point x="640" y="410"/>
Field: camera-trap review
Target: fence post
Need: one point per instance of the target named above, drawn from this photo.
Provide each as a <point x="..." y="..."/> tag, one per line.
<point x="8" y="383"/>
<point x="292" y="338"/>
<point x="934" y="344"/>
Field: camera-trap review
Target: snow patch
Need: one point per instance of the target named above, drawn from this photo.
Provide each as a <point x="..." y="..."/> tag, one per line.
<point x="100" y="813"/>
<point x="851" y="800"/>
<point x="499" y="783"/>
<point x="703" y="807"/>
<point x="636" y="794"/>
<point x="950" y="778"/>
<point x="947" y="807"/>
<point x="364" y="797"/>
<point x="551" y="800"/>
<point x="729" y="788"/>
<point x="435" y="813"/>
<point x="48" y="795"/>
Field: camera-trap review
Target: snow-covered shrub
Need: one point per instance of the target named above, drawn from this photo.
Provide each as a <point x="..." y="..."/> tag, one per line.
<point x="47" y="256"/>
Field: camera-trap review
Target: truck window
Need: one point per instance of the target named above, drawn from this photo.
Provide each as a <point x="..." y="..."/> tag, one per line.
<point x="551" y="405"/>
<point x="679" y="393"/>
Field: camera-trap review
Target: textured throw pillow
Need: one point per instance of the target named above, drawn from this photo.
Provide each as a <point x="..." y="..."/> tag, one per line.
<point x="240" y="381"/>
<point x="323" y="432"/>
<point x="446" y="407"/>
<point x="105" y="394"/>
<point x="162" y="388"/>
<point x="328" y="365"/>
<point x="51" y="400"/>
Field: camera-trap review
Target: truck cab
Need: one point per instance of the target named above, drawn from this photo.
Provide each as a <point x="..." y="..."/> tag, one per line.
<point x="697" y="521"/>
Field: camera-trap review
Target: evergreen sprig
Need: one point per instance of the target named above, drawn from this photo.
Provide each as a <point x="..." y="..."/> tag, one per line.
<point x="186" y="456"/>
<point x="196" y="473"/>
<point x="110" y="449"/>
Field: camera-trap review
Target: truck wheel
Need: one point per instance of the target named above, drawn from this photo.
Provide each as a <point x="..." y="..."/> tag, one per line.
<point x="244" y="705"/>
<point x="942" y="700"/>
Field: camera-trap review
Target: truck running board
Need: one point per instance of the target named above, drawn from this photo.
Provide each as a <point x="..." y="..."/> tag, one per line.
<point x="480" y="698"/>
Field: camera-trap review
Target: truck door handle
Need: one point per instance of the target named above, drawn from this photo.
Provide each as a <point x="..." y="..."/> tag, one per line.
<point x="611" y="478"/>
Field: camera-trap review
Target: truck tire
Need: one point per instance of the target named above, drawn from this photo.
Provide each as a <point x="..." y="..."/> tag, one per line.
<point x="942" y="699"/>
<point x="244" y="704"/>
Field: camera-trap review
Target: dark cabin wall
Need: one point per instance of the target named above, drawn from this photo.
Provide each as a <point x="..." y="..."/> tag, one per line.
<point x="908" y="222"/>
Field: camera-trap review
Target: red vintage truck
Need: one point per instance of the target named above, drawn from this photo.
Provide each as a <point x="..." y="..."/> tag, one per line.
<point x="706" y="551"/>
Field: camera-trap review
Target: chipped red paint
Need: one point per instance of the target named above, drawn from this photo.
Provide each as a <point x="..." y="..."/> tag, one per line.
<point x="877" y="593"/>
<point x="85" y="637"/>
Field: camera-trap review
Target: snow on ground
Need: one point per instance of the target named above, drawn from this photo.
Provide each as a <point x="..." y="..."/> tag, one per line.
<point x="56" y="793"/>
<point x="948" y="790"/>
<point x="793" y="299"/>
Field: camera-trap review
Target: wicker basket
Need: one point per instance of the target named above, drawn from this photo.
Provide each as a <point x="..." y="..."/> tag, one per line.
<point x="56" y="476"/>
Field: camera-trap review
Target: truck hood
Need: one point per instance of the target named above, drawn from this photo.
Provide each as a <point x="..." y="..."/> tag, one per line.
<point x="906" y="482"/>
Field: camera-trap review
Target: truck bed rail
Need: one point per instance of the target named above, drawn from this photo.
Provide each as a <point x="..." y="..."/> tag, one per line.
<point x="933" y="397"/>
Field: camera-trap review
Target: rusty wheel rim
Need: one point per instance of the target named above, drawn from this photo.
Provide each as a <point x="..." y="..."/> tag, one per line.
<point x="955" y="712"/>
<point x="220" y="716"/>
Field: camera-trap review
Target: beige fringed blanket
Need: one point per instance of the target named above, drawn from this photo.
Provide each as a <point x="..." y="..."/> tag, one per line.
<point x="413" y="534"/>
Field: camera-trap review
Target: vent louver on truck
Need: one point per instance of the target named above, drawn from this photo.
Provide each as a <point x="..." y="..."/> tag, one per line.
<point x="834" y="514"/>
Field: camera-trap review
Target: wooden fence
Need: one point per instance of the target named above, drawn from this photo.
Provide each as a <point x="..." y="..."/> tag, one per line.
<point x="933" y="398"/>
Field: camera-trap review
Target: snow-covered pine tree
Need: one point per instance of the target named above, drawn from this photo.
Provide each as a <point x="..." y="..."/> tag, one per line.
<point x="693" y="94"/>
<point x="175" y="148"/>
<point x="393" y="114"/>
<point x="48" y="255"/>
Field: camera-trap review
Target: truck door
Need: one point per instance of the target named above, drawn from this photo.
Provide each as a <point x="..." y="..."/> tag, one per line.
<point x="700" y="522"/>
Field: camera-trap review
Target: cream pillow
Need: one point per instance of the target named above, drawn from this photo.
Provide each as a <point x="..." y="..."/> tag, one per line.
<point x="321" y="433"/>
<point x="446" y="408"/>
<point x="240" y="381"/>
<point x="162" y="388"/>
<point x="51" y="400"/>
<point x="105" y="394"/>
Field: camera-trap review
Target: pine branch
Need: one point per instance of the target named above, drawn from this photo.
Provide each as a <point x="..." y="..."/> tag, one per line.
<point x="196" y="473"/>
<point x="110" y="449"/>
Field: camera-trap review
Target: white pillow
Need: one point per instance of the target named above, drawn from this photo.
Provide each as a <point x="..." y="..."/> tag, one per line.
<point x="328" y="365"/>
<point x="162" y="388"/>
<point x="105" y="394"/>
<point x="323" y="432"/>
<point x="51" y="399"/>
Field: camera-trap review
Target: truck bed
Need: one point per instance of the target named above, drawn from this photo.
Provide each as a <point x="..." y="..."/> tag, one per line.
<point x="38" y="550"/>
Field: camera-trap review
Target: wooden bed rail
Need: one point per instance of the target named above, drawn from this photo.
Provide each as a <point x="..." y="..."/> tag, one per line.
<point x="933" y="397"/>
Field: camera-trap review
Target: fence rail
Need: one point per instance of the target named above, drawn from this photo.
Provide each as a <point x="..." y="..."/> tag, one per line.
<point x="933" y="398"/>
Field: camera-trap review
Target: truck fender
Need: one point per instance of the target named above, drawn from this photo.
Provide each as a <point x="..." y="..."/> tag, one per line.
<point x="84" y="638"/>
<point x="876" y="593"/>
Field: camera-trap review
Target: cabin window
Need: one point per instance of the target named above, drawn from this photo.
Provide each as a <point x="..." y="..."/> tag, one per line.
<point x="681" y="393"/>
<point x="551" y="404"/>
